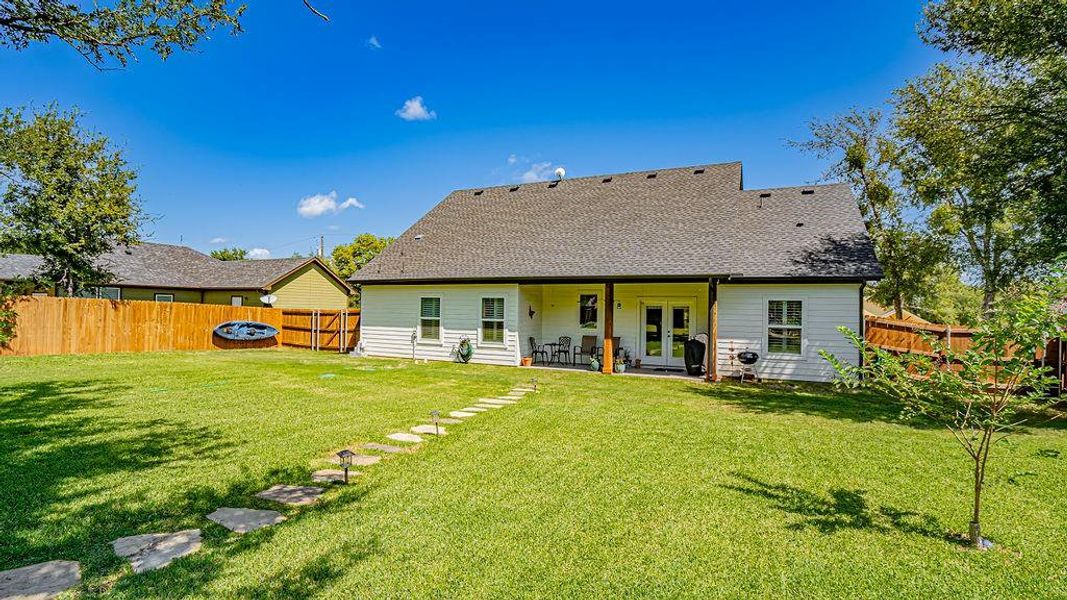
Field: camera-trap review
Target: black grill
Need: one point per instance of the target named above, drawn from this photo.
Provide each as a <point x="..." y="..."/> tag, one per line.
<point x="747" y="357"/>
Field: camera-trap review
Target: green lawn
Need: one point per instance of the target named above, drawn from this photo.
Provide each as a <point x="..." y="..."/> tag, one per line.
<point x="596" y="486"/>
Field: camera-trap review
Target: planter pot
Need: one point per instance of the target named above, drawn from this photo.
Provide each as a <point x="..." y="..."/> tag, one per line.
<point x="620" y="367"/>
<point x="594" y="365"/>
<point x="465" y="351"/>
<point x="527" y="361"/>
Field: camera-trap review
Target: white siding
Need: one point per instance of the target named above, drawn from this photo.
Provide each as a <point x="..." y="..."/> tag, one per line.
<point x="529" y="297"/>
<point x="390" y="314"/>
<point x="743" y="326"/>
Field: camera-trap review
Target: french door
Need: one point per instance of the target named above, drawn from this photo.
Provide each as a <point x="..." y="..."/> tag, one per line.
<point x="665" y="328"/>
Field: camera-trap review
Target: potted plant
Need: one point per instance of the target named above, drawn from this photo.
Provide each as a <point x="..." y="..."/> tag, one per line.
<point x="465" y="350"/>
<point x="620" y="365"/>
<point x="527" y="361"/>
<point x="594" y="364"/>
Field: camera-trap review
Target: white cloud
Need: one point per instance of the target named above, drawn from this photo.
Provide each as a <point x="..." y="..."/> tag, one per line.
<point x="512" y="159"/>
<point x="219" y="240"/>
<point x="539" y="171"/>
<point x="374" y="43"/>
<point x="415" y="110"/>
<point x="333" y="227"/>
<point x="324" y="204"/>
<point x="258" y="253"/>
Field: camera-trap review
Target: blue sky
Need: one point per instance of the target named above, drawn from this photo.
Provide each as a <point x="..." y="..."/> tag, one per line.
<point x="230" y="139"/>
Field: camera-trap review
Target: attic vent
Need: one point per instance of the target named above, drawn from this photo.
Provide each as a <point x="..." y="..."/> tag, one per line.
<point x="553" y="184"/>
<point x="606" y="180"/>
<point x="514" y="189"/>
<point x="765" y="195"/>
<point x="478" y="193"/>
<point x="698" y="172"/>
<point x="650" y="176"/>
<point x="807" y="192"/>
<point x="800" y="224"/>
<point x="418" y="238"/>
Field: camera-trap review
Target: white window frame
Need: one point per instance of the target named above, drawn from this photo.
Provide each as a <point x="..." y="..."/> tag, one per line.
<point x="802" y="327"/>
<point x="100" y="291"/>
<point x="440" y="339"/>
<point x="239" y="298"/>
<point x="157" y="297"/>
<point x="503" y="322"/>
<point x="596" y="324"/>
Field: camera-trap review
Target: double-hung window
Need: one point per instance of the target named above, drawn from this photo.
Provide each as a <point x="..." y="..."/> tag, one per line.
<point x="493" y="320"/>
<point x="430" y="318"/>
<point x="785" y="322"/>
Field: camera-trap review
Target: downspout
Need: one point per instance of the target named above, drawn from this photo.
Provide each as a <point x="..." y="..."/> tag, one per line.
<point x="863" y="321"/>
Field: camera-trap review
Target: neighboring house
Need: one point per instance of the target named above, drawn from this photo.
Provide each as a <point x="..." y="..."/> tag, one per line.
<point x="873" y="309"/>
<point x="636" y="256"/>
<point x="167" y="273"/>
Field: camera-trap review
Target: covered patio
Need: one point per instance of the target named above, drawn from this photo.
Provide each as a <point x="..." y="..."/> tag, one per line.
<point x="644" y="324"/>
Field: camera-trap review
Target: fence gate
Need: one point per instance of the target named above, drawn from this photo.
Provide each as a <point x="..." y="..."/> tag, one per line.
<point x="313" y="329"/>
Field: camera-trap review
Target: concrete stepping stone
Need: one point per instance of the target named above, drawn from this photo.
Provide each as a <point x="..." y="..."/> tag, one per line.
<point x="429" y="430"/>
<point x="461" y="414"/>
<point x="296" y="495"/>
<point x="405" y="437"/>
<point x="447" y="421"/>
<point x="498" y="401"/>
<point x="473" y="409"/>
<point x="483" y="405"/>
<point x="41" y="581"/>
<point x="508" y="399"/>
<point x="360" y="460"/>
<point x="523" y="389"/>
<point x="515" y="395"/>
<point x="332" y="475"/>
<point x="243" y="520"/>
<point x="384" y="448"/>
<point x="152" y="551"/>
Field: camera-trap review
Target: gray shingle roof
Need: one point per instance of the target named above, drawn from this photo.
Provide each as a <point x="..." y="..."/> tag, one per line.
<point x="169" y="266"/>
<point x="672" y="223"/>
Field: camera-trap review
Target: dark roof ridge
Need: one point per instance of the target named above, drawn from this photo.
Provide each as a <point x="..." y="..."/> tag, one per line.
<point x="600" y="176"/>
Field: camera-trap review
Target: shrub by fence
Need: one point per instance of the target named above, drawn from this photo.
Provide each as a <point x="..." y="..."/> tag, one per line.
<point x="89" y="325"/>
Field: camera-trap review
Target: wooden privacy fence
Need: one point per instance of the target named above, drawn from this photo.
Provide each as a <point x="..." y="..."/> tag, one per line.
<point x="89" y="325"/>
<point x="320" y="329"/>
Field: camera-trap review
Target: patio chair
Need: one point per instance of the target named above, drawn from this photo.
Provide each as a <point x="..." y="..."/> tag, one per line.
<point x="588" y="348"/>
<point x="538" y="350"/>
<point x="616" y="349"/>
<point x="563" y="349"/>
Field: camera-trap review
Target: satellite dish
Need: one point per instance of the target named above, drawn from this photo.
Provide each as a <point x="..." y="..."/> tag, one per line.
<point x="560" y="172"/>
<point x="268" y="299"/>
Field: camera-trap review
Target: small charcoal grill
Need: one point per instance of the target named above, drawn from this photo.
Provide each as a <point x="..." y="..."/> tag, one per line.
<point x="748" y="360"/>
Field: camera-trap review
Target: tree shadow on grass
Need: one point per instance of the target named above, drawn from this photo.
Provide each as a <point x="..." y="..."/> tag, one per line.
<point x="819" y="400"/>
<point x="57" y="449"/>
<point x="841" y="509"/>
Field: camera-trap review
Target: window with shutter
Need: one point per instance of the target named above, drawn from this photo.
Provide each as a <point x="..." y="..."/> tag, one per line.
<point x="785" y="322"/>
<point x="430" y="318"/>
<point x="493" y="320"/>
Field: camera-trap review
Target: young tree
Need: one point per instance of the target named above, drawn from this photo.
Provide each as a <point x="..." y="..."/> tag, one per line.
<point x="346" y="259"/>
<point x="968" y="176"/>
<point x="230" y="254"/>
<point x="864" y="157"/>
<point x="65" y="195"/>
<point x="982" y="394"/>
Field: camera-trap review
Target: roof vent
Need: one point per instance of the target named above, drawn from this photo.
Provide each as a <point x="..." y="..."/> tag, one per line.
<point x="418" y="238"/>
<point x="478" y="193"/>
<point x="514" y="189"/>
<point x="765" y="195"/>
<point x="606" y="180"/>
<point x="553" y="184"/>
<point x="650" y="176"/>
<point x="698" y="172"/>
<point x="807" y="192"/>
<point x="800" y="224"/>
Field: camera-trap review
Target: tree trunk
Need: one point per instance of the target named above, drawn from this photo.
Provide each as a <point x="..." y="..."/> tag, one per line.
<point x="988" y="296"/>
<point x="976" y="523"/>
<point x="898" y="307"/>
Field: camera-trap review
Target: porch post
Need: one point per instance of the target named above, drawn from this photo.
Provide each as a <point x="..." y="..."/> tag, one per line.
<point x="711" y="369"/>
<point x="608" y="364"/>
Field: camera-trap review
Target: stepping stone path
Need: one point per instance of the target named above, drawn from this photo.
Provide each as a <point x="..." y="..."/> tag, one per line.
<point x="243" y="520"/>
<point x="41" y="581"/>
<point x="429" y="430"/>
<point x="522" y="389"/>
<point x="360" y="460"/>
<point x="296" y="495"/>
<point x="332" y="475"/>
<point x="473" y="409"/>
<point x="153" y="551"/>
<point x="384" y="448"/>
<point x="502" y="400"/>
<point x="447" y="421"/>
<point x="405" y="437"/>
<point x="484" y="405"/>
<point x="461" y="413"/>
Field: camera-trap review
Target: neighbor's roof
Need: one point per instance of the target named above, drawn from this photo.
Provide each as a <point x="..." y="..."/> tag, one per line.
<point x="169" y="266"/>
<point x="690" y="222"/>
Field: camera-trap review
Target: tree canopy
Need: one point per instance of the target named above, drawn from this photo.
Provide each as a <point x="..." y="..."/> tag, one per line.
<point x="65" y="195"/>
<point x="346" y="259"/>
<point x="230" y="254"/>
